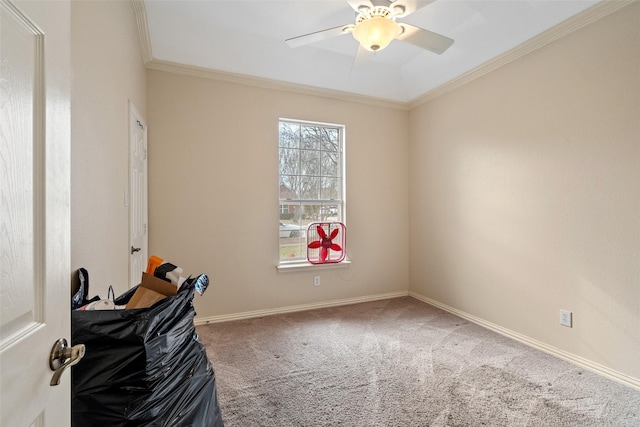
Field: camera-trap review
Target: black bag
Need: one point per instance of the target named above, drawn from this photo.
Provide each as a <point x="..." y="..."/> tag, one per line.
<point x="79" y="298"/>
<point x="143" y="367"/>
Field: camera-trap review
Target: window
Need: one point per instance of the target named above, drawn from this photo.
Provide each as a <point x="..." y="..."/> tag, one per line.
<point x="311" y="181"/>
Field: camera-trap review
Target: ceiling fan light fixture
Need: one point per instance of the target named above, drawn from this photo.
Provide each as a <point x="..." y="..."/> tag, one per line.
<point x="398" y="9"/>
<point x="376" y="32"/>
<point x="375" y="27"/>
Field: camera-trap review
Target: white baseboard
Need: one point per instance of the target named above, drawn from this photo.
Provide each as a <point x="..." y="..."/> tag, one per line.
<point x="577" y="360"/>
<point x="293" y="308"/>
<point x="572" y="358"/>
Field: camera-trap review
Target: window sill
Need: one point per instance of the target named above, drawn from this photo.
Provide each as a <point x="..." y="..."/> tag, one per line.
<point x="291" y="266"/>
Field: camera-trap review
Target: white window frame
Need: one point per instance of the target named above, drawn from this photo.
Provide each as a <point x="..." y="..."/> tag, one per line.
<point x="301" y="262"/>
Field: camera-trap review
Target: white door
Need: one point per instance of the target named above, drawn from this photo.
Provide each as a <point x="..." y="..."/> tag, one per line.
<point x="138" y="240"/>
<point x="34" y="209"/>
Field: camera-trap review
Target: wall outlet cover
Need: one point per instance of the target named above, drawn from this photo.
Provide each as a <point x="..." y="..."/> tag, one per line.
<point x="566" y="318"/>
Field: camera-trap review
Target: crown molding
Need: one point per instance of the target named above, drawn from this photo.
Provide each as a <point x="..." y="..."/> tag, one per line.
<point x="594" y="13"/>
<point x="143" y="30"/>
<point x="264" y="83"/>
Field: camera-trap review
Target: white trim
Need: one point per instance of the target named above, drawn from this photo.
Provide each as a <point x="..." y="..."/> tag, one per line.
<point x="576" y="360"/>
<point x="286" y="267"/>
<point x="594" y="13"/>
<point x="143" y="30"/>
<point x="295" y="308"/>
<point x="207" y="73"/>
<point x="572" y="358"/>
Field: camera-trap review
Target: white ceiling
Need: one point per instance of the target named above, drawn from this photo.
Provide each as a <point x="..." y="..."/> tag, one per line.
<point x="248" y="38"/>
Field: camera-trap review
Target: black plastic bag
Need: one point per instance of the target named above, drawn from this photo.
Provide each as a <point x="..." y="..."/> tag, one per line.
<point x="143" y="367"/>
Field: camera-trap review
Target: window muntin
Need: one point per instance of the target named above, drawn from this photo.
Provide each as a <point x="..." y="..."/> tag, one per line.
<point x="311" y="170"/>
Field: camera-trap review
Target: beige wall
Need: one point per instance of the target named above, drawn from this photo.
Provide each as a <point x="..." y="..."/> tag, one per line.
<point x="519" y="190"/>
<point x="107" y="72"/>
<point x="525" y="194"/>
<point x="213" y="203"/>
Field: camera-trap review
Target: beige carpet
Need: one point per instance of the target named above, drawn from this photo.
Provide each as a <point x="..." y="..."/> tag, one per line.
<point x="399" y="362"/>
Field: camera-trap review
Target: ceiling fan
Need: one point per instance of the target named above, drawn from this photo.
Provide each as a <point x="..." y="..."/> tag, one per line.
<point x="376" y="26"/>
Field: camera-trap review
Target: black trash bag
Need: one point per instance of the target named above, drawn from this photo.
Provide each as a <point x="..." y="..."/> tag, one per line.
<point x="143" y="367"/>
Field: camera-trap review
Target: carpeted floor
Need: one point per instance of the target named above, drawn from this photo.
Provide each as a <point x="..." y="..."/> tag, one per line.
<point x="399" y="362"/>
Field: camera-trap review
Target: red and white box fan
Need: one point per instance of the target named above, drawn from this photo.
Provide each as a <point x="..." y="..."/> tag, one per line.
<point x="326" y="242"/>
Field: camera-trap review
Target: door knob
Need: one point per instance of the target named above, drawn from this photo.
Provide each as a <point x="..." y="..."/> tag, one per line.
<point x="62" y="356"/>
<point x="133" y="250"/>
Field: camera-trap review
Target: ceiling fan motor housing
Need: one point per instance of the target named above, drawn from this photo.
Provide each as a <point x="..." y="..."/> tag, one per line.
<point x="376" y="27"/>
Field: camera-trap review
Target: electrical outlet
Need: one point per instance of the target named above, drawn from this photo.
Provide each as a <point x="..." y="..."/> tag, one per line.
<point x="316" y="281"/>
<point x="566" y="318"/>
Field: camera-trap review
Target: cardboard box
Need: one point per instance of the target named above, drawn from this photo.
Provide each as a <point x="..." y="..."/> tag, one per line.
<point x="150" y="291"/>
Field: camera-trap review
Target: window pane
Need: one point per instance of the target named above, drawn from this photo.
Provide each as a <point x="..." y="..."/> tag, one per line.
<point x="310" y="163"/>
<point x="310" y="170"/>
<point x="288" y="211"/>
<point x="330" y="164"/>
<point x="289" y="161"/>
<point x="311" y="137"/>
<point x="329" y="213"/>
<point x="330" y="188"/>
<point x="289" y="187"/>
<point x="309" y="187"/>
<point x="292" y="234"/>
<point x="289" y="135"/>
<point x="330" y="139"/>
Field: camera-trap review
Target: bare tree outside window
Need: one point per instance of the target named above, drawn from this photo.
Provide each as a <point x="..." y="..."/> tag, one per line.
<point x="311" y="181"/>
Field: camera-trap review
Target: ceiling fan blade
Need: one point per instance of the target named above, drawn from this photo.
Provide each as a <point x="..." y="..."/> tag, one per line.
<point x="319" y="35"/>
<point x="434" y="42"/>
<point x="356" y="4"/>
<point x="407" y="7"/>
<point x="362" y="57"/>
